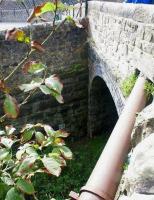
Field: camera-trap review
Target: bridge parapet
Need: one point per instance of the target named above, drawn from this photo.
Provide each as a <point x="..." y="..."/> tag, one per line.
<point x="123" y="36"/>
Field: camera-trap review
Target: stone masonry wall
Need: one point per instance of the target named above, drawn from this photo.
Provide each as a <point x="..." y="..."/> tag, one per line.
<point x="123" y="36"/>
<point x="65" y="55"/>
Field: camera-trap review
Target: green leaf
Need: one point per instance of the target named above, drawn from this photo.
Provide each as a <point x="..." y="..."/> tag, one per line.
<point x="21" y="150"/>
<point x="20" y="153"/>
<point x="47" y="7"/>
<point x="27" y="135"/>
<point x="52" y="166"/>
<point x="39" y="137"/>
<point x="25" y="186"/>
<point x="11" y="107"/>
<point x="2" y="133"/>
<point x="49" y="130"/>
<point x="31" y="151"/>
<point x="7" y="180"/>
<point x="27" y="126"/>
<point x="58" y="142"/>
<point x="66" y="152"/>
<point x="27" y="40"/>
<point x="58" y="158"/>
<point x="36" y="68"/>
<point x="33" y="67"/>
<point x="9" y="129"/>
<point x="4" y="154"/>
<point x="61" y="133"/>
<point x="57" y="96"/>
<point x="54" y="83"/>
<point x="45" y="89"/>
<point x="39" y="10"/>
<point x="61" y="6"/>
<point x="3" y="190"/>
<point x="48" y="142"/>
<point x="31" y="86"/>
<point x="56" y="151"/>
<point x="13" y="194"/>
<point x="26" y="165"/>
<point x="7" y="142"/>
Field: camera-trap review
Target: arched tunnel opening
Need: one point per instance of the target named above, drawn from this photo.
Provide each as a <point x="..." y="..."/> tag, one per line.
<point x="102" y="110"/>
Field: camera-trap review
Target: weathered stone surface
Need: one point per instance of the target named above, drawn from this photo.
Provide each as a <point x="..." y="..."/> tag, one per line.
<point x="140" y="173"/>
<point x="138" y="180"/>
<point x="123" y="35"/>
<point x="138" y="197"/>
<point x="144" y="125"/>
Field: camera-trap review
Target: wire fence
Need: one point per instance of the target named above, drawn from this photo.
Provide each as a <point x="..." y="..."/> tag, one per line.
<point x="21" y="15"/>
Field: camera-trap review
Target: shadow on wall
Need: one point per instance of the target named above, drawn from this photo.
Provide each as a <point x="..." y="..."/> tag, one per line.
<point x="102" y="110"/>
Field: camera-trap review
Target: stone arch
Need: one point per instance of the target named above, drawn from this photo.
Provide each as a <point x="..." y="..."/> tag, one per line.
<point x="102" y="110"/>
<point x="105" y="99"/>
<point x="101" y="70"/>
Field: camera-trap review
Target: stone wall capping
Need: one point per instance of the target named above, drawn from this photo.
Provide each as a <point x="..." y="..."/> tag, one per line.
<point x="138" y="12"/>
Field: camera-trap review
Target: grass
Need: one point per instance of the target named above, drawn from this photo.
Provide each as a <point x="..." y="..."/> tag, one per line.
<point x="75" y="175"/>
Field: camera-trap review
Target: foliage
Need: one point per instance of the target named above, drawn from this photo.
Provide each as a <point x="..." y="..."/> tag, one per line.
<point x="36" y="148"/>
<point x="86" y="154"/>
<point x="149" y="88"/>
<point x="128" y="84"/>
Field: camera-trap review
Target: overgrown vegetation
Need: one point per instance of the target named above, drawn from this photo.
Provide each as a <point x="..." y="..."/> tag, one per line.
<point x="86" y="154"/>
<point x="149" y="88"/>
<point x="128" y="84"/>
<point x="37" y="149"/>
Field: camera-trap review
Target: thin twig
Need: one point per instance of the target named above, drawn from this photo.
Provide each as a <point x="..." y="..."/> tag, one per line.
<point x="55" y="28"/>
<point x="53" y="31"/>
<point x="35" y="197"/>
<point x="26" y="58"/>
<point x="18" y="66"/>
<point x="28" y="97"/>
<point x="2" y="118"/>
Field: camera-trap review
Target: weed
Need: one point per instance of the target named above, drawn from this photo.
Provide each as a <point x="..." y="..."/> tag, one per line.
<point x="128" y="84"/>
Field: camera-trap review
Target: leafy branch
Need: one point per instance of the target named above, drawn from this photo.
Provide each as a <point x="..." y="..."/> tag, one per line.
<point x="23" y="153"/>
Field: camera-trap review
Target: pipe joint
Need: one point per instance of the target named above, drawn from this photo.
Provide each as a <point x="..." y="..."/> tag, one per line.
<point x="99" y="193"/>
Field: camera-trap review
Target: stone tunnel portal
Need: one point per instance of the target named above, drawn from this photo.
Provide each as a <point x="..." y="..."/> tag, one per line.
<point x="102" y="110"/>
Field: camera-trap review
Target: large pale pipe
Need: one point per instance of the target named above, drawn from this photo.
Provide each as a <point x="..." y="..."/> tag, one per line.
<point x="106" y="175"/>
